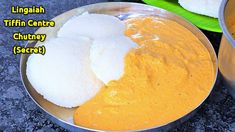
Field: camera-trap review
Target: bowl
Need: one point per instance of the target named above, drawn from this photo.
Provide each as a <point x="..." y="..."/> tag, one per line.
<point x="123" y="10"/>
<point x="227" y="45"/>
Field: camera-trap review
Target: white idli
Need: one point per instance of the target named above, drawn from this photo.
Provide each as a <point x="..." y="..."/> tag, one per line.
<point x="204" y="7"/>
<point x="63" y="75"/>
<point x="107" y="57"/>
<point x="92" y="25"/>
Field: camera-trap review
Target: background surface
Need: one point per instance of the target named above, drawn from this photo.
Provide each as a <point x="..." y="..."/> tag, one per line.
<point x="19" y="113"/>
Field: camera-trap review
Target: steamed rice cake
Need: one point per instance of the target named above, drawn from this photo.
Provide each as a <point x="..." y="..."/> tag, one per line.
<point x="204" y="7"/>
<point x="108" y="55"/>
<point x="93" y="26"/>
<point x="63" y="75"/>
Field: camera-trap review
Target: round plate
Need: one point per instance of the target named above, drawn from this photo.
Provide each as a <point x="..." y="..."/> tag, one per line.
<point x="123" y="10"/>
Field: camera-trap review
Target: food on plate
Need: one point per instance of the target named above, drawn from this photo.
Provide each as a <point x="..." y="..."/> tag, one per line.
<point x="80" y="59"/>
<point x="92" y="25"/>
<point x="124" y="75"/>
<point x="204" y="7"/>
<point x="166" y="77"/>
<point x="63" y="75"/>
<point x="107" y="56"/>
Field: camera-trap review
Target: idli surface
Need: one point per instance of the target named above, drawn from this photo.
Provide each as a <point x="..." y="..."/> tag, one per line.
<point x="107" y="56"/>
<point x="204" y="7"/>
<point x="92" y="25"/>
<point x="63" y="75"/>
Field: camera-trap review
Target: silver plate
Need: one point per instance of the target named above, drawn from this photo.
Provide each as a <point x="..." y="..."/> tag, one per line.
<point x="123" y="10"/>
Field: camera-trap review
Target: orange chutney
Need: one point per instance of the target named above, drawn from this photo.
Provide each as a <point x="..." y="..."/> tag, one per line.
<point x="168" y="76"/>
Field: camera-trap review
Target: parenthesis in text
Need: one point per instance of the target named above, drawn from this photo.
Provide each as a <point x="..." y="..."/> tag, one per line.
<point x="43" y="50"/>
<point x="14" y="50"/>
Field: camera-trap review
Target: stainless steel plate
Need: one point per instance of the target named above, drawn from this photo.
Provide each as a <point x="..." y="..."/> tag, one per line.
<point x="123" y="10"/>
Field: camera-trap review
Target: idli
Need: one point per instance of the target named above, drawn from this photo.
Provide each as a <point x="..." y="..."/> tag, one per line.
<point x="107" y="57"/>
<point x="93" y="26"/>
<point x="63" y="75"/>
<point x="204" y="7"/>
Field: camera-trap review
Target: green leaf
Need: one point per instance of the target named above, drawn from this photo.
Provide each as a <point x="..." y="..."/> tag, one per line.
<point x="201" y="21"/>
